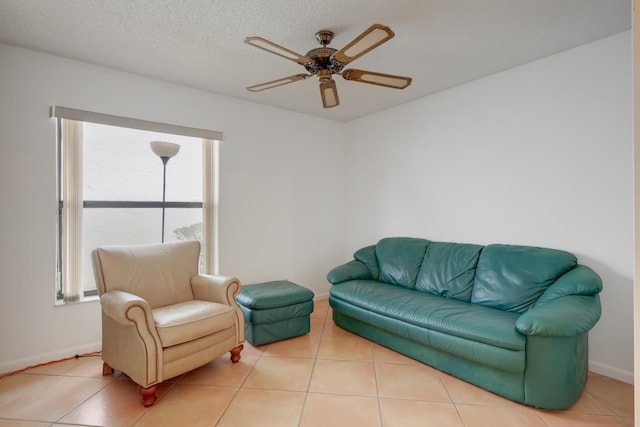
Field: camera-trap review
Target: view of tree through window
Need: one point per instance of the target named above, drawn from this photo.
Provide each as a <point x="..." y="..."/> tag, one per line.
<point x="122" y="188"/>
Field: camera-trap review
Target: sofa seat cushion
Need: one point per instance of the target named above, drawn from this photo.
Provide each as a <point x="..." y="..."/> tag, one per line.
<point x="449" y="316"/>
<point x="189" y="320"/>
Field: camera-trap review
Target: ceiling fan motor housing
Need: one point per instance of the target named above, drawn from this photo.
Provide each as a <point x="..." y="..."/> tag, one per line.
<point x="321" y="60"/>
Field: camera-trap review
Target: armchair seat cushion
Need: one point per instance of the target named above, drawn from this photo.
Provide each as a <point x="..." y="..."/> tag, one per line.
<point x="190" y="320"/>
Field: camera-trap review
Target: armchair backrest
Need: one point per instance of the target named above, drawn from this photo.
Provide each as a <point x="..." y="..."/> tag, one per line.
<point x="160" y="274"/>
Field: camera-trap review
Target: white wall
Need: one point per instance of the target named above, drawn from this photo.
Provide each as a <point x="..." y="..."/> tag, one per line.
<point x="537" y="155"/>
<point x="277" y="201"/>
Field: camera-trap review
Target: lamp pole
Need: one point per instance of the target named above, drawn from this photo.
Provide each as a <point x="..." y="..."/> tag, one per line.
<point x="165" y="160"/>
<point x="164" y="150"/>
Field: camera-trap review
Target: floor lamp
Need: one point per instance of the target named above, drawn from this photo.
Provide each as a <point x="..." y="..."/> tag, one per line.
<point x="164" y="150"/>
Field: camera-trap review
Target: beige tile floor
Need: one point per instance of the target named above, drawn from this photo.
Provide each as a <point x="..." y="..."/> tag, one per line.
<point x="328" y="378"/>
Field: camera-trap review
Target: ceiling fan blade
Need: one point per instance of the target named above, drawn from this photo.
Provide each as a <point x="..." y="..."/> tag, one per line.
<point x="329" y="93"/>
<point x="386" y="80"/>
<point x="371" y="38"/>
<point x="265" y="44"/>
<point x="279" y="82"/>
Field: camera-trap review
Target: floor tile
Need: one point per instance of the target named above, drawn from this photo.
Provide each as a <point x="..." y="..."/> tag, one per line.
<point x="412" y="413"/>
<point x="263" y="408"/>
<point x="343" y="377"/>
<point x="317" y="325"/>
<point x="332" y="330"/>
<point x="345" y="348"/>
<point x="323" y="410"/>
<point x="618" y="396"/>
<point x="416" y="382"/>
<point x="281" y="373"/>
<point x="17" y="423"/>
<point x="567" y="419"/>
<point x="320" y="307"/>
<point x="588" y="404"/>
<point x="80" y="366"/>
<point x="116" y="405"/>
<point x="221" y="372"/>
<point x="87" y="367"/>
<point x="464" y="392"/>
<point x="302" y="346"/>
<point x="251" y="350"/>
<point x="53" y="397"/>
<point x="386" y="355"/>
<point x="189" y="405"/>
<point x="499" y="416"/>
<point x="627" y="421"/>
<point x="16" y="386"/>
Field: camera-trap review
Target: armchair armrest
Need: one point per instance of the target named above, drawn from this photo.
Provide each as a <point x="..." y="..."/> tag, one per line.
<point x="353" y="270"/>
<point x="566" y="316"/>
<point x="219" y="289"/>
<point x="117" y="305"/>
<point x="223" y="290"/>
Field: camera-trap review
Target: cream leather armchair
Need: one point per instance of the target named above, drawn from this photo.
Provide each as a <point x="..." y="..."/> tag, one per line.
<point x="160" y="318"/>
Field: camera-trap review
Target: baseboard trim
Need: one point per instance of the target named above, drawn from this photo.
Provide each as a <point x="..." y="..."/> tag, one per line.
<point x="611" y="372"/>
<point x="18" y="364"/>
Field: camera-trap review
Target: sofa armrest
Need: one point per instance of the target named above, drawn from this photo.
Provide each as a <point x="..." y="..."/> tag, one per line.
<point x="580" y="280"/>
<point x="220" y="289"/>
<point x="353" y="270"/>
<point x="118" y="305"/>
<point x="566" y="316"/>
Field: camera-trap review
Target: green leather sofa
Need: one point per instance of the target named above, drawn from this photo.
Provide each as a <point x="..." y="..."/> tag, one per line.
<point x="513" y="320"/>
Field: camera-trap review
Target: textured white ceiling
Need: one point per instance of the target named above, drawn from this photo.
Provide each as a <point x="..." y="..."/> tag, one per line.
<point x="199" y="43"/>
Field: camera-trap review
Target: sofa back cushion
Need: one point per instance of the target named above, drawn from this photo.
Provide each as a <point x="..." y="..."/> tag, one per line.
<point x="511" y="278"/>
<point x="448" y="270"/>
<point x="399" y="260"/>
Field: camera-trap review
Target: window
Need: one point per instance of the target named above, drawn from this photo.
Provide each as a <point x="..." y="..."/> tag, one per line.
<point x="113" y="189"/>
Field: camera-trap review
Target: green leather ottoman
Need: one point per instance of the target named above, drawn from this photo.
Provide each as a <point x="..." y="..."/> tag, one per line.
<point x="275" y="311"/>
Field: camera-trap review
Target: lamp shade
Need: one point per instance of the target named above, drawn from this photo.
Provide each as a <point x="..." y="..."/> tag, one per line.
<point x="164" y="148"/>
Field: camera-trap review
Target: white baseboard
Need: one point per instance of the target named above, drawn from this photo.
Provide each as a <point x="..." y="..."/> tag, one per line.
<point x="611" y="372"/>
<point x="18" y="364"/>
<point x="319" y="297"/>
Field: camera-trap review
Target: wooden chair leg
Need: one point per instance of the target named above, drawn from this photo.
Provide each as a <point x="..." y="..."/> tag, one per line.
<point x="148" y="394"/>
<point x="106" y="369"/>
<point x="235" y="353"/>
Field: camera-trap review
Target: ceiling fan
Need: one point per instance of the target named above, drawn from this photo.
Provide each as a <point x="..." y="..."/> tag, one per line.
<point x="325" y="61"/>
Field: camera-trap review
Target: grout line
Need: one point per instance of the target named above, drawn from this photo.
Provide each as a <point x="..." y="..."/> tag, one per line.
<point x="444" y="384"/>
<point x="241" y="386"/>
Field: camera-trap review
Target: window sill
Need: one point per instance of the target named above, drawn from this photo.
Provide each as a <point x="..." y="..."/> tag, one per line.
<point x="93" y="298"/>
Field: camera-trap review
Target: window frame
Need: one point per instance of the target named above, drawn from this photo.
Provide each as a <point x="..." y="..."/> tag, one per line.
<point x="69" y="188"/>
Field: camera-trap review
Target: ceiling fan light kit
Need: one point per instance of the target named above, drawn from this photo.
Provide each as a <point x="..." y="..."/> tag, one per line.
<point x="329" y="94"/>
<point x="324" y="62"/>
